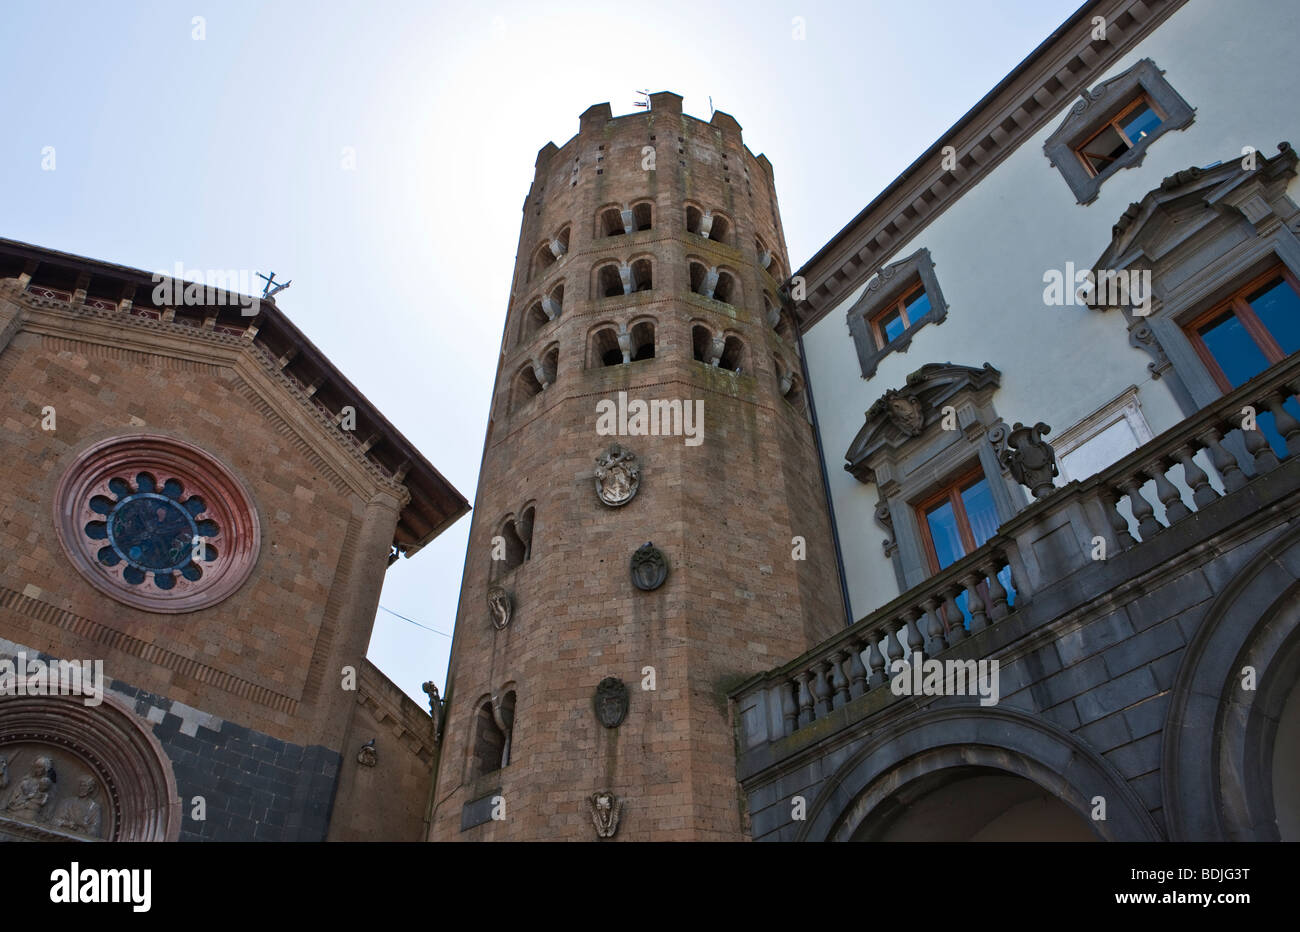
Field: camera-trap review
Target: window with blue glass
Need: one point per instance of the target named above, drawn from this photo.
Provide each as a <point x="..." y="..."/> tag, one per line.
<point x="155" y="530"/>
<point x="893" y="321"/>
<point x="1255" y="328"/>
<point x="956" y="520"/>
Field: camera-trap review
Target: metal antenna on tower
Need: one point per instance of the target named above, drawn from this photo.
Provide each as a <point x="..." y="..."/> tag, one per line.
<point x="643" y="103"/>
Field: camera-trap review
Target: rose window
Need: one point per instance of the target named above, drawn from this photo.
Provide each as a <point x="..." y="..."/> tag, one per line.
<point x="157" y="523"/>
<point x="153" y="532"/>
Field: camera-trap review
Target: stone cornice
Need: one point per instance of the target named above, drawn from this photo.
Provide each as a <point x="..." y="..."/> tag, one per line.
<point x="430" y="503"/>
<point x="1033" y="95"/>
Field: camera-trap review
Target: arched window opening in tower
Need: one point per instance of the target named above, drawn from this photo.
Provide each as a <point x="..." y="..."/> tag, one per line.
<point x="605" y="350"/>
<point x="699" y="275"/>
<point x="611" y="222"/>
<point x="643" y="341"/>
<point x="720" y="231"/>
<point x="726" y="289"/>
<point x="609" y="284"/>
<point x="642" y="216"/>
<point x="693" y="216"/>
<point x="550" y="364"/>
<point x="543" y="259"/>
<point x="553" y="303"/>
<point x="701" y="340"/>
<point x="525" y="386"/>
<point x="516" y="547"/>
<point x="492" y="726"/>
<point x="733" y="355"/>
<point x="534" y="320"/>
<point x="642" y="275"/>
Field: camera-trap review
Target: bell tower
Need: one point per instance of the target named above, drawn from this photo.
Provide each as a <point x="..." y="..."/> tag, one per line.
<point x="650" y="526"/>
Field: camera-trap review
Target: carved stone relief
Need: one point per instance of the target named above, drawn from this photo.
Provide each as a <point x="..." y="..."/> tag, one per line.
<point x="606" y="809"/>
<point x="48" y="793"/>
<point x="618" y="476"/>
<point x="611" y="701"/>
<point x="500" y="607"/>
<point x="1028" y="457"/>
<point x="649" y="568"/>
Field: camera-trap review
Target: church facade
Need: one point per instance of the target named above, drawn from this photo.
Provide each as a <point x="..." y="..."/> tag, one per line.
<point x="195" y="520"/>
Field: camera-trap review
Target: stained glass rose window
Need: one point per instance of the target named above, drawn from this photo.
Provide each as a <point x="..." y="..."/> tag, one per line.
<point x="157" y="523"/>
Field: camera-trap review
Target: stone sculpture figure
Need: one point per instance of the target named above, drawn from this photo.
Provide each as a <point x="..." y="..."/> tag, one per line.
<point x="81" y="814"/>
<point x="29" y="799"/>
<point x="606" y="809"/>
<point x="1029" y="458"/>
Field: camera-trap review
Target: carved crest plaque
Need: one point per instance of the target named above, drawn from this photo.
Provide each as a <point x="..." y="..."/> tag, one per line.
<point x="606" y="809"/>
<point x="649" y="568"/>
<point x="905" y="412"/>
<point x="499" y="606"/>
<point x="618" y="476"/>
<point x="611" y="701"/>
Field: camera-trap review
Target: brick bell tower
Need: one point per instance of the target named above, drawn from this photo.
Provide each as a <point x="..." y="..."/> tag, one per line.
<point x="648" y="391"/>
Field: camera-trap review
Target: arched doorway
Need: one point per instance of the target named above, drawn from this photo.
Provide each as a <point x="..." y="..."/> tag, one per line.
<point x="72" y="772"/>
<point x="973" y="804"/>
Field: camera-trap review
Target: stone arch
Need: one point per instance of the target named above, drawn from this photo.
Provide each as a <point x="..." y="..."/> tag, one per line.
<point x="1008" y="740"/>
<point x="137" y="788"/>
<point x="1218" y="741"/>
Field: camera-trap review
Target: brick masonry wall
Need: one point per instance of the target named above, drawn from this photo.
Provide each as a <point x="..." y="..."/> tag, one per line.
<point x="724" y="513"/>
<point x="265" y="664"/>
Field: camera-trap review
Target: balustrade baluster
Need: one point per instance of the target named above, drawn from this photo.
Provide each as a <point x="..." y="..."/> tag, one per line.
<point x="1118" y="523"/>
<point x="1224" y="462"/>
<point x="914" y="640"/>
<point x="822" y="689"/>
<point x="934" y="641"/>
<point x="1175" y="508"/>
<point x="1142" y="509"/>
<point x="857" y="672"/>
<point x="1202" y="492"/>
<point x="805" y="699"/>
<point x="997" y="594"/>
<point x="1287" y="425"/>
<point x="956" y="621"/>
<point x="978" y="619"/>
<point x="839" y="682"/>
<point x="876" y="663"/>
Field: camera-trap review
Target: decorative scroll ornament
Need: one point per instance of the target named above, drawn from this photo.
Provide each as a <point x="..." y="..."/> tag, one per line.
<point x="618" y="476"/>
<point x="649" y="568"/>
<point x="368" y="756"/>
<point x="611" y="701"/>
<point x="500" y="606"/>
<point x="1029" y="458"/>
<point x="606" y="809"/>
<point x="905" y="412"/>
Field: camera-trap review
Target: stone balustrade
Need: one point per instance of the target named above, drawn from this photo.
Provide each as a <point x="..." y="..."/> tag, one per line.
<point x="1244" y="435"/>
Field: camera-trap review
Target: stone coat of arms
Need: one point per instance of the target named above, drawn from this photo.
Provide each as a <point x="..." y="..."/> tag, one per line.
<point x="618" y="476"/>
<point x="611" y="701"/>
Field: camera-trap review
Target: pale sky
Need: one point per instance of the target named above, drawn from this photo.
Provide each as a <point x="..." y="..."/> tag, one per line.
<point x="227" y="152"/>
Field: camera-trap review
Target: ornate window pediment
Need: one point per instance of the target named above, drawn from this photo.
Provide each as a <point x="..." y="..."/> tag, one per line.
<point x="1192" y="241"/>
<point x="902" y="298"/>
<point x="1132" y="110"/>
<point x="899" y="416"/>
